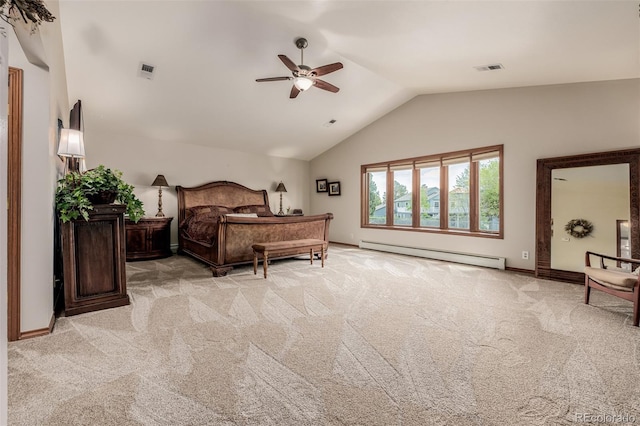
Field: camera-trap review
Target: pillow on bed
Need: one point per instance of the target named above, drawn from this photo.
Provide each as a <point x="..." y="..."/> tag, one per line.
<point x="203" y="213"/>
<point x="242" y="214"/>
<point x="220" y="210"/>
<point x="259" y="209"/>
<point x="198" y="209"/>
<point x="209" y="209"/>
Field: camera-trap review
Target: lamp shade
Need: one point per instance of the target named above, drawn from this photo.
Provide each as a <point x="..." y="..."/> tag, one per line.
<point x="281" y="188"/>
<point x="71" y="143"/>
<point x="302" y="83"/>
<point x="160" y="181"/>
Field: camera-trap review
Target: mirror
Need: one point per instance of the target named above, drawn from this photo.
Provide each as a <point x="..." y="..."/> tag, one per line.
<point x="601" y="188"/>
<point x="623" y="243"/>
<point x="597" y="194"/>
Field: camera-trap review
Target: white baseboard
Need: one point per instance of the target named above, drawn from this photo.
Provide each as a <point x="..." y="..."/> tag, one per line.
<point x="466" y="258"/>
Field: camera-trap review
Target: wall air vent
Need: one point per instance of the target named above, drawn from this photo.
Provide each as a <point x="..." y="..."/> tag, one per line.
<point x="491" y="67"/>
<point x="146" y="71"/>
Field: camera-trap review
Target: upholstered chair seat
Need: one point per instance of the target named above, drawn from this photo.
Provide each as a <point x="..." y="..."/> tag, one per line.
<point x="614" y="280"/>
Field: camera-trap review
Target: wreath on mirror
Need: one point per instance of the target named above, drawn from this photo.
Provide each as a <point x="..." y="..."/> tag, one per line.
<point x="578" y="228"/>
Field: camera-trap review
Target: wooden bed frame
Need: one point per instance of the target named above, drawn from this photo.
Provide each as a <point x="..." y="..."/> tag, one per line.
<point x="236" y="235"/>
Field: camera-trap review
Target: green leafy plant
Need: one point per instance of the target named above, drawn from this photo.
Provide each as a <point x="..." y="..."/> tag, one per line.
<point x="78" y="192"/>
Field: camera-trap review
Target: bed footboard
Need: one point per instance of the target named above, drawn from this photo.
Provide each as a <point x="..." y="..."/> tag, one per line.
<point x="236" y="235"/>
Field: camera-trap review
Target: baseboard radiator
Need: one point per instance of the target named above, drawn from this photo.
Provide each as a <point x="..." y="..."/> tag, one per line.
<point x="448" y="256"/>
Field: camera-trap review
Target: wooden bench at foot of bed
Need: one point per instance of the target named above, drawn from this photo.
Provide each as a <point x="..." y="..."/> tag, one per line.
<point x="279" y="247"/>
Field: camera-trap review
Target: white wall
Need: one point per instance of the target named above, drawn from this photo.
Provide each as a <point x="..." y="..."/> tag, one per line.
<point x="531" y="122"/>
<point x="188" y="165"/>
<point x="44" y="100"/>
<point x="36" y="301"/>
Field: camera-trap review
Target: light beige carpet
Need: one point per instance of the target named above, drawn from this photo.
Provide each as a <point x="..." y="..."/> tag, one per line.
<point x="371" y="339"/>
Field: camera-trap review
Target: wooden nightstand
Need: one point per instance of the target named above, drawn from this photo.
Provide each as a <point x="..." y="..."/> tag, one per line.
<point x="150" y="238"/>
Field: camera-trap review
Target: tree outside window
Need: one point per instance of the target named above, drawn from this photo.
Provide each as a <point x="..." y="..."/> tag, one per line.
<point x="459" y="195"/>
<point x="489" y="182"/>
<point x="402" y="210"/>
<point x="377" y="208"/>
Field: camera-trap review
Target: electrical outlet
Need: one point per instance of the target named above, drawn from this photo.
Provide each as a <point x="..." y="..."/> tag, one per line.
<point x="525" y="255"/>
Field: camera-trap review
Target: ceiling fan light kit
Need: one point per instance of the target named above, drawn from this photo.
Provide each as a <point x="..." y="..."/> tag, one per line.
<point x="303" y="76"/>
<point x="302" y="83"/>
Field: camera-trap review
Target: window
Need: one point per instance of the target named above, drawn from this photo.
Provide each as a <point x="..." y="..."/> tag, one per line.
<point x="376" y="196"/>
<point x="402" y="177"/>
<point x="458" y="192"/>
<point x="429" y="174"/>
<point x="489" y="196"/>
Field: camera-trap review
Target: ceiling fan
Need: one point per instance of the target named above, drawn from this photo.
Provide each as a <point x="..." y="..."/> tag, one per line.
<point x="305" y="77"/>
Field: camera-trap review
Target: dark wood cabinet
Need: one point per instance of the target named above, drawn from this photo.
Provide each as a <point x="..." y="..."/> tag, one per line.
<point x="149" y="238"/>
<point x="93" y="256"/>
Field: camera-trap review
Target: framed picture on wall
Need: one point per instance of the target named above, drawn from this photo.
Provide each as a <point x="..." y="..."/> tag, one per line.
<point x="321" y="185"/>
<point x="334" y="188"/>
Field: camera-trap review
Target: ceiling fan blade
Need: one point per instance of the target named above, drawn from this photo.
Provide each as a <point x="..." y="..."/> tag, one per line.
<point x="326" y="69"/>
<point x="273" y="79"/>
<point x="294" y="92"/>
<point x="321" y="84"/>
<point x="288" y="63"/>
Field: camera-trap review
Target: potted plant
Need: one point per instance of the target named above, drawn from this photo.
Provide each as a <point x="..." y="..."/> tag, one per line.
<point x="78" y="192"/>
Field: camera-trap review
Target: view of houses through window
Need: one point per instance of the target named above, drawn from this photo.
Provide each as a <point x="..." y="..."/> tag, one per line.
<point x="471" y="200"/>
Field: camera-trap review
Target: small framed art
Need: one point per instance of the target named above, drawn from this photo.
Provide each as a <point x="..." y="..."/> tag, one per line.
<point x="334" y="188"/>
<point x="321" y="185"/>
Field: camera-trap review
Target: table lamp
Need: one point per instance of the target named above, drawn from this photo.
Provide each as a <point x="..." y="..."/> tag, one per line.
<point x="280" y="188"/>
<point x="160" y="181"/>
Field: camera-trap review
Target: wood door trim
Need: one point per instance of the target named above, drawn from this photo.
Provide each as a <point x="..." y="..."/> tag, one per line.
<point x="545" y="167"/>
<point x="14" y="194"/>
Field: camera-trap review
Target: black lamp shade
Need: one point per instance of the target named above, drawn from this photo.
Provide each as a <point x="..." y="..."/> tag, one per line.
<point x="160" y="181"/>
<point x="281" y="188"/>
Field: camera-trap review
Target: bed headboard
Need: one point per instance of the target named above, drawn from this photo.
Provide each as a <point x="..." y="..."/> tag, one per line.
<point x="219" y="193"/>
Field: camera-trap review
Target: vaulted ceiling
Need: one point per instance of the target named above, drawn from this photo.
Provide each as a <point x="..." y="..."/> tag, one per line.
<point x="208" y="54"/>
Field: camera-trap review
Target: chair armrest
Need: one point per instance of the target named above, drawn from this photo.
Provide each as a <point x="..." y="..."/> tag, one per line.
<point x="587" y="259"/>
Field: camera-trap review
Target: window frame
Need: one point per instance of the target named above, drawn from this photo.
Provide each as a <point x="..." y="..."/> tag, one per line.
<point x="474" y="156"/>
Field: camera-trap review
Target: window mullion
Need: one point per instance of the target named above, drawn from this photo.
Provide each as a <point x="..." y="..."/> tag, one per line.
<point x="474" y="196"/>
<point x="415" y="198"/>
<point x="389" y="196"/>
<point x="444" y="197"/>
<point x="364" y="196"/>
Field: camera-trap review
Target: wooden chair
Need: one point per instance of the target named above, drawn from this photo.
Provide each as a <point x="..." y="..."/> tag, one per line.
<point x="613" y="280"/>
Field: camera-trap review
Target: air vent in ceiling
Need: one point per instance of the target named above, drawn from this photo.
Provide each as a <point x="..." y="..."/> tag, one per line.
<point x="491" y="67"/>
<point x="146" y="70"/>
